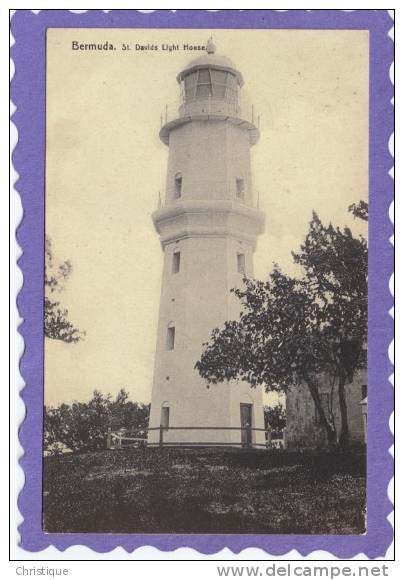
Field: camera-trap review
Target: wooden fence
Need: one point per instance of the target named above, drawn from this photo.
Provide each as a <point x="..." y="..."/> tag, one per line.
<point x="129" y="438"/>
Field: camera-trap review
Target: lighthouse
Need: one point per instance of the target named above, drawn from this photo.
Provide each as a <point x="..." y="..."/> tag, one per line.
<point x="208" y="225"/>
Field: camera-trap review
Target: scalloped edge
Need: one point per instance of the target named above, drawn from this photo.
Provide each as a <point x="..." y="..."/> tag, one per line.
<point x="28" y="118"/>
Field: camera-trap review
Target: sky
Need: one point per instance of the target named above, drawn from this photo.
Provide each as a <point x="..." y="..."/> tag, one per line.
<point x="105" y="166"/>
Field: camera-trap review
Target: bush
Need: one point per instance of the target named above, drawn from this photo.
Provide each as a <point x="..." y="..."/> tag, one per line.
<point x="84" y="426"/>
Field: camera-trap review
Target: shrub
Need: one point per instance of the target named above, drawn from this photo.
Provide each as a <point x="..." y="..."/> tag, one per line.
<point x="84" y="426"/>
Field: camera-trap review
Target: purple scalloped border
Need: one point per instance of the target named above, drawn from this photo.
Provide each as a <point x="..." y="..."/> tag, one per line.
<point x="28" y="94"/>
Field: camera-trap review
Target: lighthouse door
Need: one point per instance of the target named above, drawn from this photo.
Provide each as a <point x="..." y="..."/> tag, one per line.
<point x="246" y="424"/>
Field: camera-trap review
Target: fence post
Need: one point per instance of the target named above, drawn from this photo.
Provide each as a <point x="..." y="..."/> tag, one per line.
<point x="161" y="438"/>
<point x="109" y="438"/>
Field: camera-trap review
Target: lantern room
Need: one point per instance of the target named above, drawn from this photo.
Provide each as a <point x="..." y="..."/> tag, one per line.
<point x="210" y="89"/>
<point x="210" y="77"/>
<point x="212" y="83"/>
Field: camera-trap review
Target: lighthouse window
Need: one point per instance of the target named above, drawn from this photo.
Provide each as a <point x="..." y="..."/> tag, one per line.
<point x="241" y="263"/>
<point x="219" y="78"/>
<point x="204" y="76"/>
<point x="232" y="81"/>
<point x="240" y="188"/>
<point x="204" y="87"/>
<point x="205" y="83"/>
<point x="190" y="82"/>
<point x="165" y="417"/>
<point x="203" y="91"/>
<point x="170" y="337"/>
<point x="178" y="184"/>
<point x="219" y="92"/>
<point x="176" y="262"/>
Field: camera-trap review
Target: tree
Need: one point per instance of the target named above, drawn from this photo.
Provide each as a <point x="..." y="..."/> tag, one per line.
<point x="335" y="263"/>
<point x="79" y="427"/>
<point x="128" y="414"/>
<point x="56" y="323"/>
<point x="360" y="210"/>
<point x="292" y="329"/>
<point x="84" y="426"/>
<point x="275" y="419"/>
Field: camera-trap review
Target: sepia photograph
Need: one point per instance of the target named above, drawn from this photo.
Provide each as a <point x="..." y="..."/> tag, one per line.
<point x="205" y="282"/>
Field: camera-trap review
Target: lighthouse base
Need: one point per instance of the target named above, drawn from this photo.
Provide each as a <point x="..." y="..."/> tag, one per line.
<point x="233" y="418"/>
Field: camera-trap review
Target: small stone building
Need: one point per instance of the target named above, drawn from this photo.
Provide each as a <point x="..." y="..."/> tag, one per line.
<point x="303" y="428"/>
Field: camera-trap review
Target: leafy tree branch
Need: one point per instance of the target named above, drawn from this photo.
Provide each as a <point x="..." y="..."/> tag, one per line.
<point x="56" y="322"/>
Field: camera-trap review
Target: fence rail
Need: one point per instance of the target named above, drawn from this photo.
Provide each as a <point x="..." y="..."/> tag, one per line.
<point x="118" y="439"/>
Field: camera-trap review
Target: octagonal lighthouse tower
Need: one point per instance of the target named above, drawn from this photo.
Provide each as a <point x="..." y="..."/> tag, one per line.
<point x="208" y="227"/>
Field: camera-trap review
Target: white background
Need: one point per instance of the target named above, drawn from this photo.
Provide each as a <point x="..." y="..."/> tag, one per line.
<point x="146" y="569"/>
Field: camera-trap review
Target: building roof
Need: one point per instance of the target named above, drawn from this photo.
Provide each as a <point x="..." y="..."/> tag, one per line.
<point x="211" y="60"/>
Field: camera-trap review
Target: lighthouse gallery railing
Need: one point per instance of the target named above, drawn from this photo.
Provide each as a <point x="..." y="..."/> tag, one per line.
<point x="209" y="106"/>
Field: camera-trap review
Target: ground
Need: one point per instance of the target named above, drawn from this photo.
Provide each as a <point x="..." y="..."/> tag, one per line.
<point x="205" y="491"/>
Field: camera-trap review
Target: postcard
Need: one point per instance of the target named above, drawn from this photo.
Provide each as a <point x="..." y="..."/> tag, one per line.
<point x="206" y="260"/>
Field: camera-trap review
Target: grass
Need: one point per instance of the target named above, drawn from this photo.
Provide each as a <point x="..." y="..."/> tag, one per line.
<point x="205" y="491"/>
